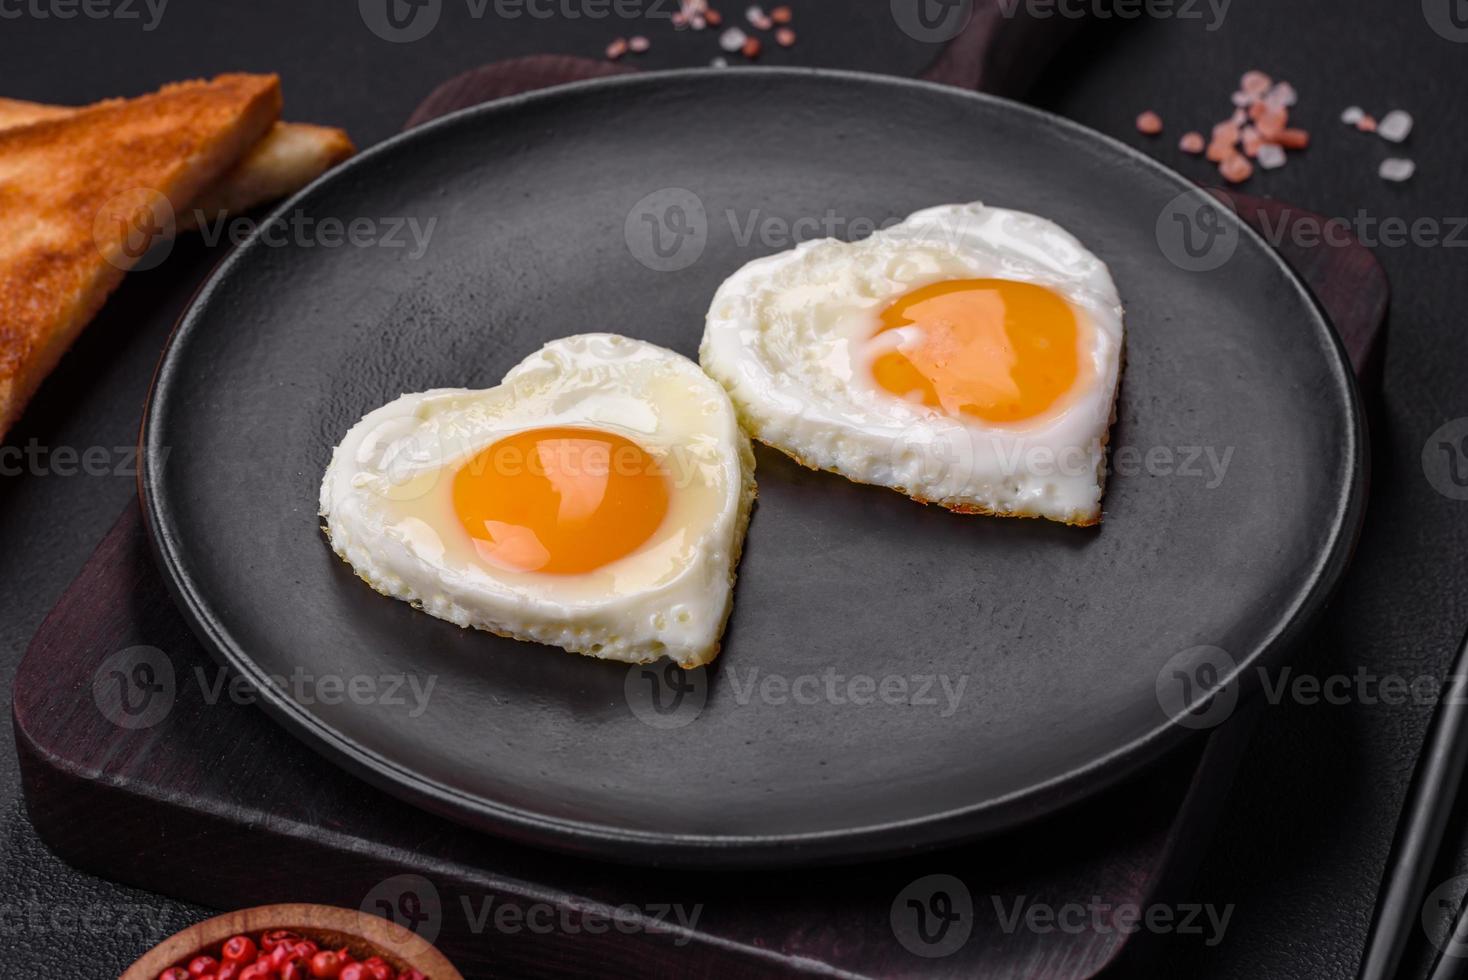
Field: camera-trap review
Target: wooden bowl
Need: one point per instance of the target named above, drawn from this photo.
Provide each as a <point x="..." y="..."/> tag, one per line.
<point x="331" y="928"/>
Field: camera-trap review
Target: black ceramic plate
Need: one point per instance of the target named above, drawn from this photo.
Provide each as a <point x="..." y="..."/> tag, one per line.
<point x="834" y="725"/>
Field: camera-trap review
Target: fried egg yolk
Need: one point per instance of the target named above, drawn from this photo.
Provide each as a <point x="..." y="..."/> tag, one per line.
<point x="560" y="500"/>
<point x="995" y="349"/>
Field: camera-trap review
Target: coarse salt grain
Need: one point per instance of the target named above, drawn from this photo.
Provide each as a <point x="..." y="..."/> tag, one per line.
<point x="757" y="17"/>
<point x="1283" y="94"/>
<point x="784" y="37"/>
<point x="1149" y="123"/>
<point x="1236" y="169"/>
<point x="1271" y="156"/>
<point x="781" y="15"/>
<point x="1252" y="141"/>
<point x="616" y="49"/>
<point x="1352" y="115"/>
<point x="733" y="39"/>
<point x="1367" y="124"/>
<point x="639" y="44"/>
<point x="1396" y="169"/>
<point x="1394" y="126"/>
<point x="1293" y="139"/>
<point x="1191" y="143"/>
<point x="1255" y="82"/>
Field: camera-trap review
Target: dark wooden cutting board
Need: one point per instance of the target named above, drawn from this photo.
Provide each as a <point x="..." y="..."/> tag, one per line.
<point x="202" y="798"/>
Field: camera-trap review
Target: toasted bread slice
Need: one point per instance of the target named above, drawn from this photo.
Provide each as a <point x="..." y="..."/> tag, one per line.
<point x="78" y="190"/>
<point x="14" y="112"/>
<point x="289" y="157"/>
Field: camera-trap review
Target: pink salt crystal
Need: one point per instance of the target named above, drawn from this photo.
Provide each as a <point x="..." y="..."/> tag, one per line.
<point x="1149" y="123"/>
<point x="1293" y="139"/>
<point x="1283" y="94"/>
<point x="616" y="49"/>
<point x="1255" y="82"/>
<point x="1271" y="156"/>
<point x="1191" y="143"/>
<point x="1236" y="169"/>
<point x="1252" y="141"/>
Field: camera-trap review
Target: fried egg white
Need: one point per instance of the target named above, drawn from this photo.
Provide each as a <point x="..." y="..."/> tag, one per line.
<point x="968" y="356"/>
<point x="596" y="500"/>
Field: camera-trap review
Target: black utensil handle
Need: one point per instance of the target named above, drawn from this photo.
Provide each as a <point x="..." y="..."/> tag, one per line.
<point x="1452" y="966"/>
<point x="1424" y="817"/>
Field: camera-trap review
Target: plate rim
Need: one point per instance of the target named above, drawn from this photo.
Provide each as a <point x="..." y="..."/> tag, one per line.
<point x="723" y="851"/>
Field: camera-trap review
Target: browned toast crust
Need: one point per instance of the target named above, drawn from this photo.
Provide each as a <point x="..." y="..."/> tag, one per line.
<point x="65" y="244"/>
<point x="289" y="157"/>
